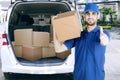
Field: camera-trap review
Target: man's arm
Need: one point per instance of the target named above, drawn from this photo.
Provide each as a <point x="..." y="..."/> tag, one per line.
<point x="59" y="47"/>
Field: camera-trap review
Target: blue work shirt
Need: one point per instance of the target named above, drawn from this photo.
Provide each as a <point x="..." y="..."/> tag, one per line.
<point x="89" y="55"/>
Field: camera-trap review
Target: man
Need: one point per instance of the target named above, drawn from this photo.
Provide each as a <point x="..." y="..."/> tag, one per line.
<point x="89" y="48"/>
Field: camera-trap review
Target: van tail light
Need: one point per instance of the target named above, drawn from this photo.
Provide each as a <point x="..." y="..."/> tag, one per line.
<point x="4" y="41"/>
<point x="3" y="35"/>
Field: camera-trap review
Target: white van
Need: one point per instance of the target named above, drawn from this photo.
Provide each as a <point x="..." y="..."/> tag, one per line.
<point x="37" y="15"/>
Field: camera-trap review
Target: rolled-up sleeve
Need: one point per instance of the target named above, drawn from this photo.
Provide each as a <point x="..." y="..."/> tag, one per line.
<point x="69" y="43"/>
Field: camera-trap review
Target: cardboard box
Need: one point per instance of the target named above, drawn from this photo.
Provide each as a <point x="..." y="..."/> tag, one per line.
<point x="28" y="37"/>
<point x="31" y="53"/>
<point x="48" y="52"/>
<point x="63" y="55"/>
<point x="18" y="50"/>
<point x="23" y="36"/>
<point x="41" y="39"/>
<point x="67" y="25"/>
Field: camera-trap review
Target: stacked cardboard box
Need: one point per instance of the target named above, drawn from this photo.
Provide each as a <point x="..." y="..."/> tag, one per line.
<point x="23" y="36"/>
<point x="41" y="39"/>
<point x="17" y="49"/>
<point x="35" y="46"/>
<point x="31" y="53"/>
<point x="28" y="37"/>
<point x="48" y="52"/>
<point x="64" y="54"/>
<point x="32" y="45"/>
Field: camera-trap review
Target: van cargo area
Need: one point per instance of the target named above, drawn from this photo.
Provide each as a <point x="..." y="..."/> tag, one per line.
<point x="31" y="35"/>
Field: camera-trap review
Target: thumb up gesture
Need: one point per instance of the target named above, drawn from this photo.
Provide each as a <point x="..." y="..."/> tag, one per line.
<point x="103" y="38"/>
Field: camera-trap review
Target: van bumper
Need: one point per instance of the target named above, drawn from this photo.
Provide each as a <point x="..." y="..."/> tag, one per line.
<point x="38" y="70"/>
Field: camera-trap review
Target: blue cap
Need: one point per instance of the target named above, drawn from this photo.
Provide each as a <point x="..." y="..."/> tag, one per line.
<point x="91" y="7"/>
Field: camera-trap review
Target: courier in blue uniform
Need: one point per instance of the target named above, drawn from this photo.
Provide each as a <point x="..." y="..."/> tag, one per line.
<point x="89" y="48"/>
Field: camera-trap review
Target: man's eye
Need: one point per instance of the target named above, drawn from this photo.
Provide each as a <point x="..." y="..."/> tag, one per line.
<point x="87" y="13"/>
<point x="93" y="13"/>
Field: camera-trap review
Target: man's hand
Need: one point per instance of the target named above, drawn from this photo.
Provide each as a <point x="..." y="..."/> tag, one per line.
<point x="59" y="47"/>
<point x="103" y="37"/>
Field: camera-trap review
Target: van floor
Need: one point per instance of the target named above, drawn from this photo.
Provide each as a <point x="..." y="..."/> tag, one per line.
<point x="51" y="61"/>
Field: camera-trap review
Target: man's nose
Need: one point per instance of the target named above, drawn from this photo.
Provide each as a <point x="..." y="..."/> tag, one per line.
<point x="90" y="15"/>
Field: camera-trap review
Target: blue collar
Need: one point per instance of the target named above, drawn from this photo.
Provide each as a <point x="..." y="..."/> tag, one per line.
<point x="94" y="30"/>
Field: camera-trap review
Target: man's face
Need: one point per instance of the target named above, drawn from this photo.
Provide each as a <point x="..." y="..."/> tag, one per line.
<point x="90" y="18"/>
